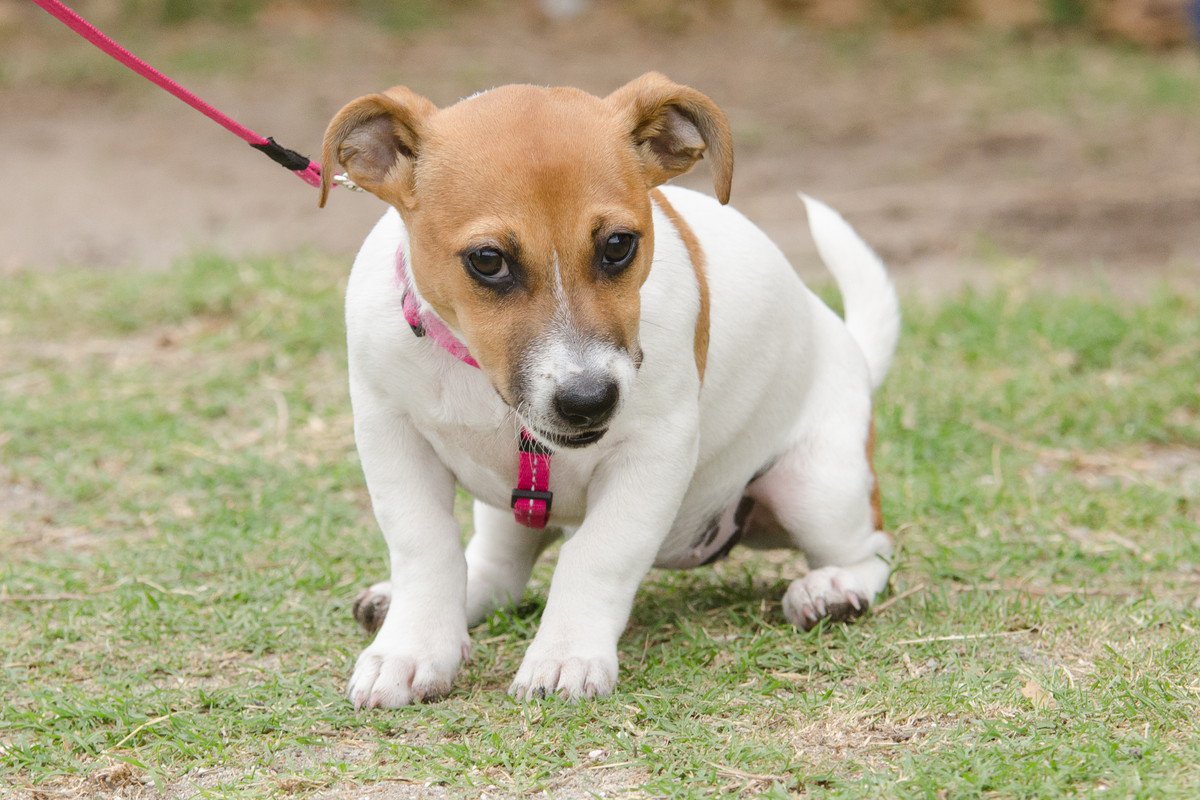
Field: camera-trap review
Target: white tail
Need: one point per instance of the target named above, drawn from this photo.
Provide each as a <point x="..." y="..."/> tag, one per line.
<point x="872" y="310"/>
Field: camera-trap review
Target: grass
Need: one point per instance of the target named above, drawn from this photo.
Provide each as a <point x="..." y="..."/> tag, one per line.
<point x="403" y="16"/>
<point x="183" y="526"/>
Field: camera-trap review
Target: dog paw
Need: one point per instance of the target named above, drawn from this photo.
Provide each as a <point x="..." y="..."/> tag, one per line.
<point x="371" y="605"/>
<point x="569" y="677"/>
<point x="386" y="677"/>
<point x="831" y="593"/>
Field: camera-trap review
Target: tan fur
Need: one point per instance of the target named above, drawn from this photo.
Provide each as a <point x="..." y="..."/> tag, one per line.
<point x="672" y="126"/>
<point x="537" y="173"/>
<point x="696" y="256"/>
<point x="876" y="499"/>
<point x="377" y="163"/>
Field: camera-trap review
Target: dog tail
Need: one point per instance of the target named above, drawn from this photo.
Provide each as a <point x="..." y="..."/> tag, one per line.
<point x="872" y="310"/>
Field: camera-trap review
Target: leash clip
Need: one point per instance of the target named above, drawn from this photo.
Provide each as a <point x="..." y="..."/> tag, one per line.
<point x="344" y="181"/>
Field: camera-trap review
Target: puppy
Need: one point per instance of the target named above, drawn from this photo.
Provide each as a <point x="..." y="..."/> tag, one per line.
<point x="638" y="370"/>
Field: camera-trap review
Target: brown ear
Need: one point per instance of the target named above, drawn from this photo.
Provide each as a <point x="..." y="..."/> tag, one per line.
<point x="671" y="127"/>
<point x="377" y="139"/>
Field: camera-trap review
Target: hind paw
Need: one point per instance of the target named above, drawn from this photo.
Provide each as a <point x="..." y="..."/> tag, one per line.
<point x="371" y="605"/>
<point x="831" y="593"/>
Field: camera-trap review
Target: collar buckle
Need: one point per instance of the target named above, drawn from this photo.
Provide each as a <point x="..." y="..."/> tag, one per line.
<point x="532" y="495"/>
<point x="536" y="511"/>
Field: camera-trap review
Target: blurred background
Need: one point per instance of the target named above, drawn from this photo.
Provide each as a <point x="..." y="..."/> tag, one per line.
<point x="971" y="141"/>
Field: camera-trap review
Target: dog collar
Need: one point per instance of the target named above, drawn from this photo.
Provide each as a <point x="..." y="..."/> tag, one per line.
<point x="531" y="498"/>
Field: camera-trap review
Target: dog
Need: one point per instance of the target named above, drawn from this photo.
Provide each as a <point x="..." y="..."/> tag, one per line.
<point x="534" y="302"/>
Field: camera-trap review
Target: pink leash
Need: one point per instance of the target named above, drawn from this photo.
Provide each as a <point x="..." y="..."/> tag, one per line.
<point x="308" y="171"/>
<point x="531" y="498"/>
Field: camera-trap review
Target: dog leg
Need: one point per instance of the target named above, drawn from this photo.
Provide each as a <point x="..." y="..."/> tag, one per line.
<point x="632" y="501"/>
<point x="820" y="494"/>
<point x="500" y="558"/>
<point x="423" y="637"/>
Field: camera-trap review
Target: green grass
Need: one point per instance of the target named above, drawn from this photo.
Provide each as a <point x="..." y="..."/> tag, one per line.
<point x="394" y="15"/>
<point x="183" y="525"/>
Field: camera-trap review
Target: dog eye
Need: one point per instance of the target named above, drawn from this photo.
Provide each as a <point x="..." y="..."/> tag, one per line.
<point x="488" y="264"/>
<point x="619" y="250"/>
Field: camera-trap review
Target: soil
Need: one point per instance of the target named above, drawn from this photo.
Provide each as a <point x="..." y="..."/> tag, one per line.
<point x="961" y="156"/>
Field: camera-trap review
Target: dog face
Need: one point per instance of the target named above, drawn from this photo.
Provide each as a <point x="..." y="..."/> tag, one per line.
<point x="530" y="225"/>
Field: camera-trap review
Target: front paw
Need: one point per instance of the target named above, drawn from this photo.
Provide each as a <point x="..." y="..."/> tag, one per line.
<point x="389" y="676"/>
<point x="567" y="674"/>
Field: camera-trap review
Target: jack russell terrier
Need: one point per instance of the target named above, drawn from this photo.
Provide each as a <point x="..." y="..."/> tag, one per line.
<point x="637" y="368"/>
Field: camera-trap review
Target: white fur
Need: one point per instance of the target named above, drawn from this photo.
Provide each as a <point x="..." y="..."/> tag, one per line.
<point x="787" y="386"/>
<point x="872" y="313"/>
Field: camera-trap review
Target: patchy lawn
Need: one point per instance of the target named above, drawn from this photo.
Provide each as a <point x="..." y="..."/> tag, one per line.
<point x="183" y="526"/>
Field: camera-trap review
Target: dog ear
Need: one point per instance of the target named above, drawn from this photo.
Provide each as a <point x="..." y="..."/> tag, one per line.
<point x="377" y="139"/>
<point x="672" y="126"/>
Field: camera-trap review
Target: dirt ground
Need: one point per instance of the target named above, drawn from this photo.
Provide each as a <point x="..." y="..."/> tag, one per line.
<point x="962" y="156"/>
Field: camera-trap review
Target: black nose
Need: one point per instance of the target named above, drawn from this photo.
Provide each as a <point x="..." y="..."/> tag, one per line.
<point x="586" y="402"/>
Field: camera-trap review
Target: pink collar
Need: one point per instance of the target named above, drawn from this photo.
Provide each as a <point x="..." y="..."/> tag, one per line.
<point x="531" y="498"/>
<point x="429" y="324"/>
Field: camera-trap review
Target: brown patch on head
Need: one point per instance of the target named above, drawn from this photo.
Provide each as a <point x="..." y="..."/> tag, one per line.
<point x="696" y="256"/>
<point x="544" y="176"/>
<point x="876" y="499"/>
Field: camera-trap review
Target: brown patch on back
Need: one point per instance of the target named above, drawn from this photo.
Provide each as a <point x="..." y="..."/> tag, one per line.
<point x="876" y="501"/>
<point x="696" y="255"/>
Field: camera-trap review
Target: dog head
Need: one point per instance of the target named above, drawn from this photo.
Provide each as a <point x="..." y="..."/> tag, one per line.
<point x="530" y="225"/>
